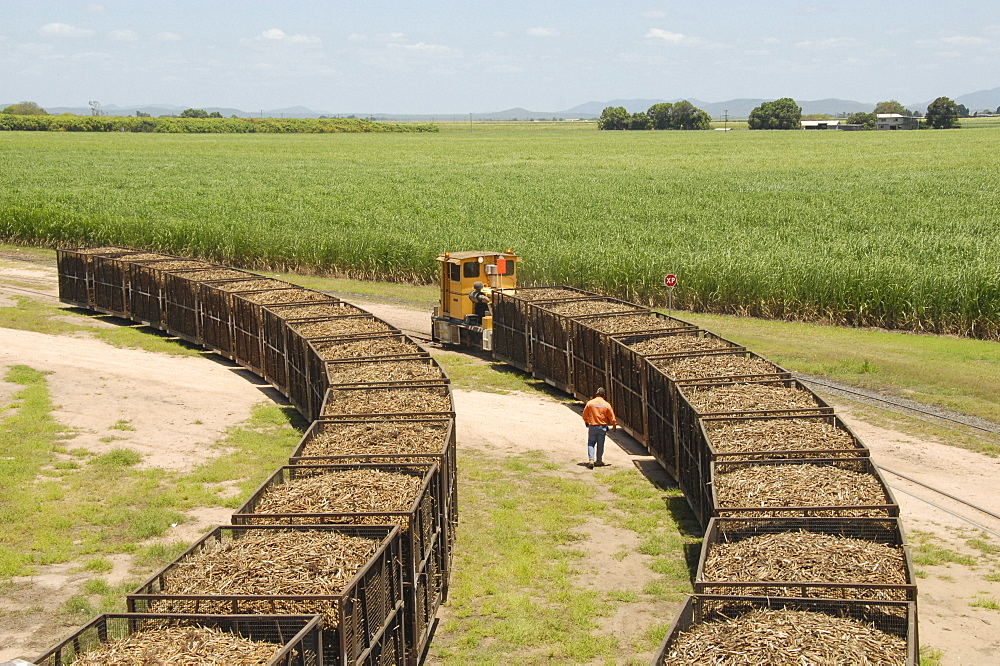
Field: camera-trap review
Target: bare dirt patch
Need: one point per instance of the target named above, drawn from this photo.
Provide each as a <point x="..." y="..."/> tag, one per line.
<point x="170" y="409"/>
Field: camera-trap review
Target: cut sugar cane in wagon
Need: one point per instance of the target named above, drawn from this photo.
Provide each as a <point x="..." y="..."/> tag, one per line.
<point x="803" y="556"/>
<point x="377" y="438"/>
<point x="383" y="371"/>
<point x="343" y="491"/>
<point x="337" y="326"/>
<point x="671" y="344"/>
<point x="628" y="323"/>
<point x="592" y="307"/>
<point x="180" y="645"/>
<point x="716" y="365"/>
<point x="380" y="345"/>
<point x="388" y="400"/>
<point x="267" y="563"/>
<point x="799" y="485"/>
<point x="749" y="398"/>
<point x="786" y="638"/>
<point x="796" y="434"/>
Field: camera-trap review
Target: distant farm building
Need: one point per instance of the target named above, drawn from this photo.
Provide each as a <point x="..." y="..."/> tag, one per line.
<point x="819" y="124"/>
<point x="895" y="121"/>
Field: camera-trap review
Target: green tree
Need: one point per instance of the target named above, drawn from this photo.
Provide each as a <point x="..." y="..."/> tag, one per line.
<point x="892" y="106"/>
<point x="25" y="109"/>
<point x="194" y="113"/>
<point x="613" y="118"/>
<point x="942" y="113"/>
<point x="862" y="118"/>
<point x="215" y="114"/>
<point x="639" y="121"/>
<point x="782" y="113"/>
<point x="686" y="116"/>
<point x="963" y="110"/>
<point x="659" y="115"/>
<point x="140" y="114"/>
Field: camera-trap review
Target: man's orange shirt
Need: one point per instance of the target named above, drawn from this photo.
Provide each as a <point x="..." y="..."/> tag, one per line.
<point x="599" y="412"/>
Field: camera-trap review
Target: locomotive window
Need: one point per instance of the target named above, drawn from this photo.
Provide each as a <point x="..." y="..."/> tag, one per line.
<point x="471" y="269"/>
<point x="456" y="272"/>
<point x="510" y="267"/>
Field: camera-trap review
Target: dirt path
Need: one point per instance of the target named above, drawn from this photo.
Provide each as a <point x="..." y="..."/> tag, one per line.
<point x="177" y="403"/>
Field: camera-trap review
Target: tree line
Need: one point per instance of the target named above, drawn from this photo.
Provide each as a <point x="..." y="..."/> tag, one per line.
<point x="187" y="125"/>
<point x="681" y="115"/>
<point x="780" y="114"/>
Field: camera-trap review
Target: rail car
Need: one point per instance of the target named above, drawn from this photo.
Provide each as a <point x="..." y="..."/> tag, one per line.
<point x="717" y="417"/>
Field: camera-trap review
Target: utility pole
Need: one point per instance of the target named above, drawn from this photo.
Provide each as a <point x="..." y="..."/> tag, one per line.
<point x="725" y="122"/>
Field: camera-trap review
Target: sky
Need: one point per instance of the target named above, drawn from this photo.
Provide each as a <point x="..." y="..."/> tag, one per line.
<point x="454" y="56"/>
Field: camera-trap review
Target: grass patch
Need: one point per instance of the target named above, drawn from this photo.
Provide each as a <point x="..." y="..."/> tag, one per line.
<point x="122" y="424"/>
<point x="930" y="656"/>
<point x="517" y="593"/>
<point x="512" y="594"/>
<point x="117" y="459"/>
<point x="668" y="531"/>
<point x="98" y="565"/>
<point x="983" y="545"/>
<point x="928" y="552"/>
<point x="990" y="604"/>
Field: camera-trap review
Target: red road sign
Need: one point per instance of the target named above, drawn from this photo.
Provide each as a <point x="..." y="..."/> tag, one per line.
<point x="670" y="280"/>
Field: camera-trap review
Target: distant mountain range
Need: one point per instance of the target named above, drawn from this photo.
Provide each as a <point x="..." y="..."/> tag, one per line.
<point x="734" y="108"/>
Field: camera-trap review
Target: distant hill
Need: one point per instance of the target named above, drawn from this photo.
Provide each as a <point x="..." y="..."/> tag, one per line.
<point x="983" y="99"/>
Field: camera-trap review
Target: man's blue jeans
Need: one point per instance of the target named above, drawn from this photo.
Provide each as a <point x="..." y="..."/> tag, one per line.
<point x="595" y="440"/>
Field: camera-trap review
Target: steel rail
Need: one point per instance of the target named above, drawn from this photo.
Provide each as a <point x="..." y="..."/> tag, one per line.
<point x="941" y="492"/>
<point x="948" y="511"/>
<point x="896" y="404"/>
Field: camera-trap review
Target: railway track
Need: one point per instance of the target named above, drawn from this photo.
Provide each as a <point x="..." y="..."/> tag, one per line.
<point x="681" y="392"/>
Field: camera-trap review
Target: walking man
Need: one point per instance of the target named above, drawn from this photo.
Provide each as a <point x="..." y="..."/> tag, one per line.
<point x="599" y="417"/>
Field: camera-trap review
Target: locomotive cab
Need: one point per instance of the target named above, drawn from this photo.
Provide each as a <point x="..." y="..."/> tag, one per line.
<point x="467" y="281"/>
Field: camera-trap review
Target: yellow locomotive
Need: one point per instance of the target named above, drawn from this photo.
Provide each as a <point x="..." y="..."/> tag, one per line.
<point x="467" y="281"/>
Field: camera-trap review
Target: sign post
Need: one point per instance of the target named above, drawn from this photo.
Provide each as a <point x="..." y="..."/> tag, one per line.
<point x="670" y="281"/>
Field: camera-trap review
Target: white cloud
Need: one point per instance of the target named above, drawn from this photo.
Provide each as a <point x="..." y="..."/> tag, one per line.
<point x="962" y="40"/>
<point x="279" y="36"/>
<point x="542" y="32"/>
<point x="828" y="44"/>
<point x="383" y="37"/>
<point x="91" y="56"/>
<point x="168" y="37"/>
<point x="64" y="30"/>
<point x="672" y="37"/>
<point x="124" y="35"/>
<point x="431" y="49"/>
